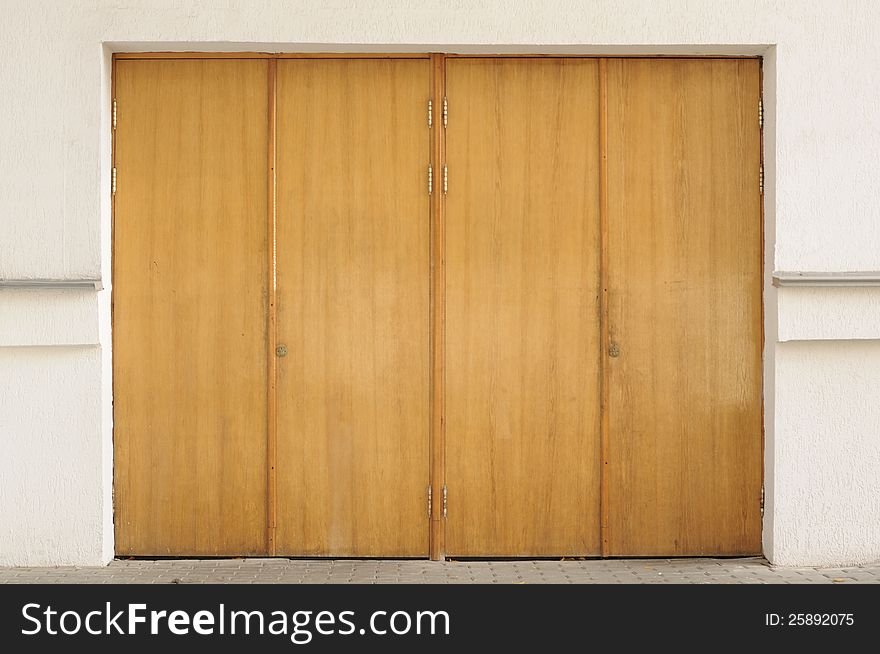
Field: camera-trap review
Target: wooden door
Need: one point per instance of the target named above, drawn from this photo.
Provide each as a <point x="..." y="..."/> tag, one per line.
<point x="224" y="448"/>
<point x="353" y="307"/>
<point x="684" y="292"/>
<point x="189" y="292"/>
<point x="522" y="311"/>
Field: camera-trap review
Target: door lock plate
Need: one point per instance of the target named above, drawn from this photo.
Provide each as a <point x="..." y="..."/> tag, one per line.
<point x="281" y="351"/>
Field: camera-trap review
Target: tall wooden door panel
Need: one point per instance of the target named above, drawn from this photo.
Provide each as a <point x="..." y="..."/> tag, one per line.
<point x="353" y="228"/>
<point x="189" y="333"/>
<point x="522" y="316"/>
<point x="684" y="290"/>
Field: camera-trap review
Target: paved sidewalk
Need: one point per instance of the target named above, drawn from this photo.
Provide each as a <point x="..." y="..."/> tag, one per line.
<point x="616" y="571"/>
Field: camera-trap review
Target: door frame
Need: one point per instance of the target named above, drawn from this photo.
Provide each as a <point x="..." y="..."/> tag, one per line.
<point x="438" y="55"/>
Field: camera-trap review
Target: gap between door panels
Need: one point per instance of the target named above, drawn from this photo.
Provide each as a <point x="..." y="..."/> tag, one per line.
<point x="437" y="495"/>
<point x="272" y="336"/>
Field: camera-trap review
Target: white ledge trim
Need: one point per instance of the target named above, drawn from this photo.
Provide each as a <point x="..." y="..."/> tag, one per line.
<point x="861" y="278"/>
<point x="94" y="284"/>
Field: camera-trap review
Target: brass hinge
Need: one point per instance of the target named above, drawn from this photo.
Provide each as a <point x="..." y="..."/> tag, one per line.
<point x="430" y="180"/>
<point x="445" y="112"/>
<point x="113" y="182"/>
<point x="761" y="114"/>
<point x="430" y="500"/>
<point x="430" y="113"/>
<point x="444" y="500"/>
<point x="761" y="179"/>
<point x="114" y="114"/>
<point x="445" y="180"/>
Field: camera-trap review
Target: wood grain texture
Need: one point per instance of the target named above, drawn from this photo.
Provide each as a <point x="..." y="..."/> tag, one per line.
<point x="522" y="308"/>
<point x="438" y="314"/>
<point x="353" y="307"/>
<point x="603" y="302"/>
<point x="189" y="354"/>
<point x="271" y="318"/>
<point x="684" y="221"/>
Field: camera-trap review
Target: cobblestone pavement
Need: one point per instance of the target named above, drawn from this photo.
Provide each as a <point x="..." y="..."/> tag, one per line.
<point x="615" y="571"/>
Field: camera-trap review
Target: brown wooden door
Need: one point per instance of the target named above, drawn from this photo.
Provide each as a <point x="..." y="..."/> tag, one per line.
<point x="189" y="290"/>
<point x="684" y="292"/>
<point x="353" y="307"/>
<point x="555" y="289"/>
<point x="522" y="312"/>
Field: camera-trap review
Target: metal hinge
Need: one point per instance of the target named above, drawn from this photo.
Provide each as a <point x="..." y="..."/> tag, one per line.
<point x="114" y="114"/>
<point x="113" y="182"/>
<point x="430" y="113"/>
<point x="445" y="112"/>
<point x="430" y="500"/>
<point x="761" y="114"/>
<point x="762" y="501"/>
<point x="444" y="500"/>
<point x="761" y="179"/>
<point x="445" y="180"/>
<point x="430" y="180"/>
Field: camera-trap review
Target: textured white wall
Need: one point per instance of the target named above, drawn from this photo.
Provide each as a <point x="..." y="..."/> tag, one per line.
<point x="826" y="494"/>
<point x="807" y="314"/>
<point x="34" y="316"/>
<point x="51" y="491"/>
<point x="822" y="131"/>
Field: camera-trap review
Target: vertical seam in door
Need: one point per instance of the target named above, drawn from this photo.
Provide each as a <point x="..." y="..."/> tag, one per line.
<point x="271" y="400"/>
<point x="762" y="264"/>
<point x="603" y="303"/>
<point x="437" y="531"/>
<point x="116" y="522"/>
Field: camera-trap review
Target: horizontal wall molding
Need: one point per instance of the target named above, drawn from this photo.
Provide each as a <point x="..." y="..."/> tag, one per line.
<point x="94" y="284"/>
<point x="862" y="278"/>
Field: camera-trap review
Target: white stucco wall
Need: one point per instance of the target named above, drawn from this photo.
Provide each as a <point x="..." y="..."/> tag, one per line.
<point x="822" y="133"/>
<point x="828" y="460"/>
<point x="51" y="495"/>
